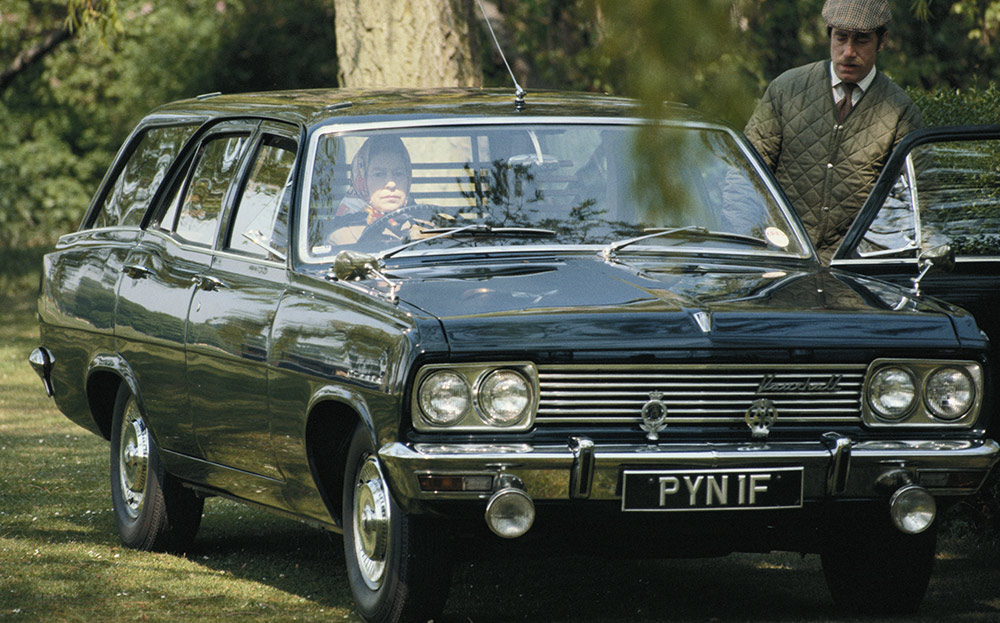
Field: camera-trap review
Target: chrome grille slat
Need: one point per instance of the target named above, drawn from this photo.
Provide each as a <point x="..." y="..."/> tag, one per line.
<point x="697" y="394"/>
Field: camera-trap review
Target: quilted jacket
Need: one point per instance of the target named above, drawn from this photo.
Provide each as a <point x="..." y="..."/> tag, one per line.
<point x="828" y="169"/>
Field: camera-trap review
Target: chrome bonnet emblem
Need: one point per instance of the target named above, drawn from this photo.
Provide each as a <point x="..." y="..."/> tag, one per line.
<point x="654" y="416"/>
<point x="704" y="321"/>
<point x="760" y="418"/>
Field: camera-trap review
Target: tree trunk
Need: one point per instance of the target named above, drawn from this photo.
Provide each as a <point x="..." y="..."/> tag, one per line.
<point x="407" y="43"/>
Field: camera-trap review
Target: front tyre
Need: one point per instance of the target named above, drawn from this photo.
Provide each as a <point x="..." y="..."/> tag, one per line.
<point x="152" y="510"/>
<point x="397" y="564"/>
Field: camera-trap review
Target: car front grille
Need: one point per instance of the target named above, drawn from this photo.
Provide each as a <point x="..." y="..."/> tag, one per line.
<point x="699" y="394"/>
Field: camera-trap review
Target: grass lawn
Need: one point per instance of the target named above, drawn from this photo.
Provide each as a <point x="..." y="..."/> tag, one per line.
<point x="60" y="558"/>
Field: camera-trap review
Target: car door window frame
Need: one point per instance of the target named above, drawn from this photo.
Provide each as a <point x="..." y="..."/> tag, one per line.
<point x="268" y="130"/>
<point x="901" y="163"/>
<point x="174" y="192"/>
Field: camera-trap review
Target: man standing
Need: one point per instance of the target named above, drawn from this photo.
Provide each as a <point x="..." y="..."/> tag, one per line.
<point x="826" y="129"/>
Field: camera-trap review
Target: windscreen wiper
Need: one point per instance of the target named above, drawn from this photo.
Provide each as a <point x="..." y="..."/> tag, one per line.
<point x="477" y="230"/>
<point x="690" y="231"/>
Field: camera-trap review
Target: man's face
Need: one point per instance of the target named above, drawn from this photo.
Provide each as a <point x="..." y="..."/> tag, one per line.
<point x="853" y="53"/>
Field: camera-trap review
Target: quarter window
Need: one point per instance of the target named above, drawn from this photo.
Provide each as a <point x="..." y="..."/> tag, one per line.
<point x="132" y="190"/>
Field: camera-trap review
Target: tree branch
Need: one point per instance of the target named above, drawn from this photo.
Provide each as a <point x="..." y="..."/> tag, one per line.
<point x="32" y="55"/>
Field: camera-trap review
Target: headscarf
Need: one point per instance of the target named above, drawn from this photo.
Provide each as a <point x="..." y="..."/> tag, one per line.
<point x="359" y="192"/>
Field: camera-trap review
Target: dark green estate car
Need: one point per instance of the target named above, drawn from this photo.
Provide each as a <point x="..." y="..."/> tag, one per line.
<point x="430" y="319"/>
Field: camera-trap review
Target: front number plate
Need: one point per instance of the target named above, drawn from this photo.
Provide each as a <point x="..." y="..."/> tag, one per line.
<point x="711" y="489"/>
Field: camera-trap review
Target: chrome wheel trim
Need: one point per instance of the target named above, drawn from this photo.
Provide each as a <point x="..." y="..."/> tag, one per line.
<point x="371" y="522"/>
<point x="133" y="459"/>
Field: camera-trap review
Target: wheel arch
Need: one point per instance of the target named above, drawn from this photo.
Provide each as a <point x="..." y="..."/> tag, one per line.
<point x="104" y="377"/>
<point x="329" y="428"/>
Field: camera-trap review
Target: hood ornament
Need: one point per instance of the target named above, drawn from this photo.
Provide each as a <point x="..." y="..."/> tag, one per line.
<point x="654" y="416"/>
<point x="760" y="417"/>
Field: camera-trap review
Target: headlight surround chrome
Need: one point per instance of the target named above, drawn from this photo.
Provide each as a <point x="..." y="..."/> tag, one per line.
<point x="949" y="393"/>
<point x="892" y="392"/>
<point x="943" y="393"/>
<point x="502" y="396"/>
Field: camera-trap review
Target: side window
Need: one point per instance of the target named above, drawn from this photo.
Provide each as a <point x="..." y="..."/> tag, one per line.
<point x="947" y="195"/>
<point x="131" y="192"/>
<point x="260" y="225"/>
<point x="894" y="230"/>
<point x="204" y="193"/>
<point x="957" y="194"/>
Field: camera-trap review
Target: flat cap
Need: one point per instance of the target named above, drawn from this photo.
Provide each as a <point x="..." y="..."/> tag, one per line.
<point x="857" y="15"/>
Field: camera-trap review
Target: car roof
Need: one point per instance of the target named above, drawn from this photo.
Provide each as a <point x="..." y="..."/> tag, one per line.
<point x="312" y="107"/>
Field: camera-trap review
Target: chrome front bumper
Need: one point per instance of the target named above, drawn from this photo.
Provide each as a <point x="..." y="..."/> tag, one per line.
<point x="832" y="467"/>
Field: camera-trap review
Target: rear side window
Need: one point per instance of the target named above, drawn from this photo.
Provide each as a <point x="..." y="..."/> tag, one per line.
<point x="130" y="194"/>
<point x="204" y="195"/>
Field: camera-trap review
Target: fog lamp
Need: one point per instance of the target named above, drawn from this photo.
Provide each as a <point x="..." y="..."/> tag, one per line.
<point x="510" y="513"/>
<point x="913" y="509"/>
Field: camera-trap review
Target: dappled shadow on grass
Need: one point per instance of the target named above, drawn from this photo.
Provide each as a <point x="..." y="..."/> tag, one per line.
<point x="251" y="544"/>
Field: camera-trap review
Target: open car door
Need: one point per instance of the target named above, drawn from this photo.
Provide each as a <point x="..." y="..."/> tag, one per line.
<point x="941" y="186"/>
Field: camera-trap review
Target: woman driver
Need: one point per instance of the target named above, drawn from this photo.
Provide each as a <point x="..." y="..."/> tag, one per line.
<point x="380" y="184"/>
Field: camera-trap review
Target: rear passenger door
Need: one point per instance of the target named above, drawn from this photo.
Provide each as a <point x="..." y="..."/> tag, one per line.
<point x="161" y="274"/>
<point x="86" y="267"/>
<point x="229" y="325"/>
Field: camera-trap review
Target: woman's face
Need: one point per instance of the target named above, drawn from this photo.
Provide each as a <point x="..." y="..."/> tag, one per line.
<point x="389" y="181"/>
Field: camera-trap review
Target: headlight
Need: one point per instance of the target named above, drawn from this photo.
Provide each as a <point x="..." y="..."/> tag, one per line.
<point x="949" y="393"/>
<point x="444" y="398"/>
<point x="475" y="397"/>
<point x="927" y="393"/>
<point x="504" y="397"/>
<point x="892" y="393"/>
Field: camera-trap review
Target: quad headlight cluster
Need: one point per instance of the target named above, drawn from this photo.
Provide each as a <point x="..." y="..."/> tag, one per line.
<point x="475" y="397"/>
<point x="918" y="392"/>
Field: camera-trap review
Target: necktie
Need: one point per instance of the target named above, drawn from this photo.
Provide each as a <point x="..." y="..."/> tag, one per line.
<point x="846" y="103"/>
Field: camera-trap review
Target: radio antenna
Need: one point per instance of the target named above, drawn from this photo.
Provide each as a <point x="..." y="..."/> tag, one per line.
<point x="520" y="93"/>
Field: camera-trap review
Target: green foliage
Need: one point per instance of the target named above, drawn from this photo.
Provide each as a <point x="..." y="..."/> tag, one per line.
<point x="66" y="117"/>
<point x="970" y="106"/>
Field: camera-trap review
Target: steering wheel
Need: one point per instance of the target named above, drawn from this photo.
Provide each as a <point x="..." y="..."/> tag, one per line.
<point x="372" y="234"/>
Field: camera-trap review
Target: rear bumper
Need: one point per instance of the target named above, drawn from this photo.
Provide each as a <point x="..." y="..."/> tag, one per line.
<point x="834" y="467"/>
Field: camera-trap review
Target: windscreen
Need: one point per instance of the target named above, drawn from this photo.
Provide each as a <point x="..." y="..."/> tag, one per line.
<point x="536" y="184"/>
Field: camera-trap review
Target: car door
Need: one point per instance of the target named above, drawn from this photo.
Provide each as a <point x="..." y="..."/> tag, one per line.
<point x="82" y="275"/>
<point x="231" y="313"/>
<point x="940" y="187"/>
<point x="160" y="277"/>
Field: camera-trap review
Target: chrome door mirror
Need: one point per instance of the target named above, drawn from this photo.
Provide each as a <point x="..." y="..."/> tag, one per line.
<point x="941" y="256"/>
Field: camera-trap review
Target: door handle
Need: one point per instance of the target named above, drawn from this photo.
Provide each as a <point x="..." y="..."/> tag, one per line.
<point x="135" y="271"/>
<point x="209" y="283"/>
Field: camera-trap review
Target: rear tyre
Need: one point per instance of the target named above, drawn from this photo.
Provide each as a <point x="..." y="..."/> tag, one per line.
<point x="880" y="570"/>
<point x="398" y="565"/>
<point x="152" y="510"/>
